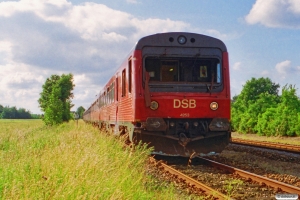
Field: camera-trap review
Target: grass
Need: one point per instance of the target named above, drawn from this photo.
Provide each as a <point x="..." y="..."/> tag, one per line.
<point x="72" y="161"/>
<point x="231" y="186"/>
<point x="277" y="139"/>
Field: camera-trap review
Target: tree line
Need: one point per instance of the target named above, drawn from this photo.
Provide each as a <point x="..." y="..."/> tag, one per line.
<point x="260" y="109"/>
<point x="14" y="113"/>
<point x="55" y="102"/>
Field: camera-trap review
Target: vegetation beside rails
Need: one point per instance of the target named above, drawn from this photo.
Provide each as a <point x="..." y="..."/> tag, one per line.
<point x="262" y="110"/>
<point x="72" y="161"/>
<point x="276" y="139"/>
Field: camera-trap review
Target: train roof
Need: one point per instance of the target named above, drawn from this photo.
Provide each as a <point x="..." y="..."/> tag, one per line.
<point x="172" y="39"/>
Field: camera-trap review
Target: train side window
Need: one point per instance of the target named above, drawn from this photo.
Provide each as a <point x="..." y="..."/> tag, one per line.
<point x="108" y="95"/>
<point x="129" y="75"/>
<point x="124" y="83"/>
<point x="117" y="90"/>
<point x="104" y="96"/>
<point x="218" y="73"/>
<point x="113" y="92"/>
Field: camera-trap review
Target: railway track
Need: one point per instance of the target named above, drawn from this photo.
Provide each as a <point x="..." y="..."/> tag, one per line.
<point x="279" y="187"/>
<point x="269" y="145"/>
<point x="208" y="191"/>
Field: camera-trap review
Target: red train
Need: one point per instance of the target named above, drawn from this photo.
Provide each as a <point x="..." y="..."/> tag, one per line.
<point x="172" y="92"/>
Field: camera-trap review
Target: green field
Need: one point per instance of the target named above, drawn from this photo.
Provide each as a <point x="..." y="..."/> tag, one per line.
<point x="72" y="161"/>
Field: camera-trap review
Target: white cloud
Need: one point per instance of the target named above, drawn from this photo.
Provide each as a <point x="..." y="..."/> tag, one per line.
<point x="132" y="1"/>
<point x="18" y="86"/>
<point x="44" y="37"/>
<point x="41" y="8"/>
<point x="216" y="33"/>
<point x="237" y="66"/>
<point x="265" y="73"/>
<point x="275" y="13"/>
<point x="283" y="68"/>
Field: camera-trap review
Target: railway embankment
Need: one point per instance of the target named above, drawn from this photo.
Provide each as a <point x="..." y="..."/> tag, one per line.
<point x="73" y="161"/>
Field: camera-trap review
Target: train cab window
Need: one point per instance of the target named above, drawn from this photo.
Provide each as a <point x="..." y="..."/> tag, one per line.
<point x="168" y="71"/>
<point x="201" y="71"/>
<point x="123" y="83"/>
<point x="188" y="70"/>
<point x="153" y="68"/>
<point x="200" y="74"/>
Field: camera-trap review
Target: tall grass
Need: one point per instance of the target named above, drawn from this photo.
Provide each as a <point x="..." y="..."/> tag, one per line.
<point x="72" y="161"/>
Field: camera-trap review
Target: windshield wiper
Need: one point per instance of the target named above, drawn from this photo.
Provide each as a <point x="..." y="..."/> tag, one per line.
<point x="212" y="83"/>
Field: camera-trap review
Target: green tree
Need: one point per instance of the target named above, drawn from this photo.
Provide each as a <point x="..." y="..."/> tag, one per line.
<point x="284" y="119"/>
<point x="9" y="113"/>
<point x="23" y="113"/>
<point x="47" y="90"/>
<point x="55" y="99"/>
<point x="80" y="111"/>
<point x="1" y="109"/>
<point x="54" y="111"/>
<point x="14" y="113"/>
<point x="257" y="95"/>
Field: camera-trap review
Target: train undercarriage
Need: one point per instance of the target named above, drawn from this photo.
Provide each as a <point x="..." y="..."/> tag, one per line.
<point x="184" y="136"/>
<point x="184" y="146"/>
<point x="178" y="137"/>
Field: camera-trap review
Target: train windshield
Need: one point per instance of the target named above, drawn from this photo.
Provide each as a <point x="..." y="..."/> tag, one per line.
<point x="184" y="74"/>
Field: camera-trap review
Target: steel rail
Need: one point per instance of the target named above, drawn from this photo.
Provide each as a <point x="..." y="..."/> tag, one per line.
<point x="269" y="145"/>
<point x="280" y="186"/>
<point x="192" y="182"/>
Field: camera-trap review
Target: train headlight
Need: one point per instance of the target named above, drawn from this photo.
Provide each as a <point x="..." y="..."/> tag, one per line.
<point x="155" y="124"/>
<point x="219" y="124"/>
<point x="214" y="105"/>
<point x="172" y="124"/>
<point x="154" y="105"/>
<point x="181" y="39"/>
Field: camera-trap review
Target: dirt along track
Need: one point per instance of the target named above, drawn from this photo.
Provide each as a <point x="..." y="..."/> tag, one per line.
<point x="192" y="185"/>
<point x="226" y="180"/>
<point x="269" y="145"/>
<point x="276" y="165"/>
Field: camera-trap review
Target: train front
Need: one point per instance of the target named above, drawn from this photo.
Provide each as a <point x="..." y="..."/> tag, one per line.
<point x="184" y="102"/>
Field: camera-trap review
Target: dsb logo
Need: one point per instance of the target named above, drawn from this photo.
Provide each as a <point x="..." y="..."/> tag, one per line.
<point x="184" y="103"/>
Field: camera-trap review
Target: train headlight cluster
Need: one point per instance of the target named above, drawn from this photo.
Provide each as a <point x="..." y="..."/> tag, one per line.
<point x="214" y="105"/>
<point x="172" y="124"/>
<point x="181" y="39"/>
<point x="154" y="105"/>
<point x="219" y="124"/>
<point x="155" y="124"/>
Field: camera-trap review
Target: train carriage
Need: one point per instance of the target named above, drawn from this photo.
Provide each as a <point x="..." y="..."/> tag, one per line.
<point x="171" y="92"/>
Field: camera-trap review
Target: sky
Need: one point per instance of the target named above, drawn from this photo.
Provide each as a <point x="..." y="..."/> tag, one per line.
<point x="91" y="38"/>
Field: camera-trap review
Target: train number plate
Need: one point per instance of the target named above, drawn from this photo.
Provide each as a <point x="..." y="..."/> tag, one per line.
<point x="184" y="114"/>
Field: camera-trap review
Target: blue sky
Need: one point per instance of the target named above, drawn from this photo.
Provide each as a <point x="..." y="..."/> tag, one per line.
<point x="90" y="38"/>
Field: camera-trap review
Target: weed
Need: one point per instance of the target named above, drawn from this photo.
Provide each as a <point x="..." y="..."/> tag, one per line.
<point x="231" y="185"/>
